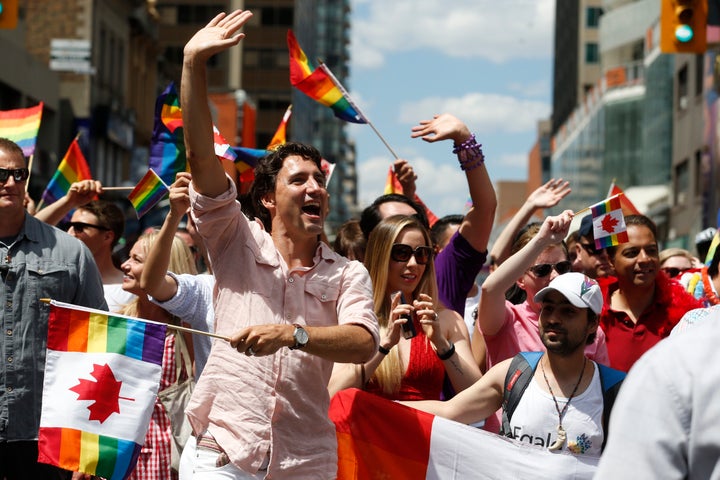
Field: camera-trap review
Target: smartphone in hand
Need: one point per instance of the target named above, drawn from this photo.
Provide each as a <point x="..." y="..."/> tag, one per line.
<point x="408" y="328"/>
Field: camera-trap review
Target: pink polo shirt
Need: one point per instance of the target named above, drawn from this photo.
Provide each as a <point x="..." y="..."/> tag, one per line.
<point x="277" y="403"/>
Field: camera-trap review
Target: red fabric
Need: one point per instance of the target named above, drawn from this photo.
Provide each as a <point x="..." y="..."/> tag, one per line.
<point x="370" y="449"/>
<point x="627" y="341"/>
<point x="423" y="379"/>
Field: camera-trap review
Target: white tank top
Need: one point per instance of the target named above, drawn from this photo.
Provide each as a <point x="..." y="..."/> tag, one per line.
<point x="535" y="419"/>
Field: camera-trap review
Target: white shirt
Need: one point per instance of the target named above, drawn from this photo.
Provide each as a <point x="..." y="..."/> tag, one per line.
<point x="535" y="419"/>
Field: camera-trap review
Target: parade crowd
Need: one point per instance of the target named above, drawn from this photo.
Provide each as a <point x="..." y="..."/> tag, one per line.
<point x="538" y="351"/>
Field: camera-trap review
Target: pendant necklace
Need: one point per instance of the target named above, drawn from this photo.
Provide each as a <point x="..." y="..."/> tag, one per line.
<point x="562" y="435"/>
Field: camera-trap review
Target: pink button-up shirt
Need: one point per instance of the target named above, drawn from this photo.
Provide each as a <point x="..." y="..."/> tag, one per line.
<point x="277" y="403"/>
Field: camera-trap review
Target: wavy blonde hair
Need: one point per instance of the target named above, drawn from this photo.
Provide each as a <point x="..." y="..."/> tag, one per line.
<point x="377" y="260"/>
<point x="181" y="261"/>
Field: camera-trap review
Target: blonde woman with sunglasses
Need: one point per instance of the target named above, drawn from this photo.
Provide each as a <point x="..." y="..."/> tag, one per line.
<point x="399" y="257"/>
<point x="505" y="329"/>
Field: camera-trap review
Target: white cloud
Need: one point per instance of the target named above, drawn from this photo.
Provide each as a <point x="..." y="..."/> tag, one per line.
<point x="483" y="113"/>
<point x="497" y="31"/>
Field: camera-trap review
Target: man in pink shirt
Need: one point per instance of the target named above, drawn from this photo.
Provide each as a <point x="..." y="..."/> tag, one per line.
<point x="290" y="304"/>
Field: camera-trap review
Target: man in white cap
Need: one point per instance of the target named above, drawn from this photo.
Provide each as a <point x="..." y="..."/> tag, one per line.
<point x="565" y="405"/>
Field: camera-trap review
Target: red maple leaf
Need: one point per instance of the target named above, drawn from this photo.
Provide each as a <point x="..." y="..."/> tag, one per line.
<point x="105" y="392"/>
<point x="609" y="223"/>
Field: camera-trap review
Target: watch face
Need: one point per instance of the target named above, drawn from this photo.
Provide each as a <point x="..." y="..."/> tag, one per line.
<point x="301" y="336"/>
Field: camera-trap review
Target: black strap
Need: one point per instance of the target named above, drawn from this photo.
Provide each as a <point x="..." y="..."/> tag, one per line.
<point x="517" y="379"/>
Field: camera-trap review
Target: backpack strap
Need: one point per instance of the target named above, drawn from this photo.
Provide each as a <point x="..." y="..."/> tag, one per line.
<point x="611" y="381"/>
<point x="517" y="379"/>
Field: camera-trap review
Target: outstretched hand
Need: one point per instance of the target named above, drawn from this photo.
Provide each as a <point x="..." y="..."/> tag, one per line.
<point x="550" y="194"/>
<point x="442" y="127"/>
<point x="217" y="36"/>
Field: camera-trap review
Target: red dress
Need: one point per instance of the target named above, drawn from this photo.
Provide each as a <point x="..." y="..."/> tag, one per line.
<point x="423" y="379"/>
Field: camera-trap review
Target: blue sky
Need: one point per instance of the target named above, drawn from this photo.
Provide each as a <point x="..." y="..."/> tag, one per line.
<point x="487" y="62"/>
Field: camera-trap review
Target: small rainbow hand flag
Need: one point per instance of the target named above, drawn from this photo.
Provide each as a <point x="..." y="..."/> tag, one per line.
<point x="609" y="223"/>
<point x="102" y="374"/>
<point x="73" y="168"/>
<point x="21" y="126"/>
<point x="149" y="191"/>
<point x="320" y="85"/>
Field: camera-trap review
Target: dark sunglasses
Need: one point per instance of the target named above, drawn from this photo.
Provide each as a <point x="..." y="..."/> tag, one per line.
<point x="543" y="269"/>
<point x="80" y="226"/>
<point x="590" y="248"/>
<point x="19" y="174"/>
<point x="673" y="272"/>
<point x="402" y="253"/>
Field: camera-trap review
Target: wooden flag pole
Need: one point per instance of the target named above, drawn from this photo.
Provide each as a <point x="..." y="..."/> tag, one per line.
<point x="110" y="189"/>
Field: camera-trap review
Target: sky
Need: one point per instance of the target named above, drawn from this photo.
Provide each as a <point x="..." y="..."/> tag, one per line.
<point x="489" y="63"/>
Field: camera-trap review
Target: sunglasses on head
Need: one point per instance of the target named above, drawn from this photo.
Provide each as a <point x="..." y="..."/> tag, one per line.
<point x="673" y="272"/>
<point x="402" y="253"/>
<point x="18" y="174"/>
<point x="590" y="249"/>
<point x="543" y="269"/>
<point x="80" y="226"/>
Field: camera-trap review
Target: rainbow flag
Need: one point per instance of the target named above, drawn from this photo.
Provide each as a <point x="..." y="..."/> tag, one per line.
<point x="628" y="207"/>
<point x="73" y="168"/>
<point x="280" y="136"/>
<point x="247" y="158"/>
<point x="167" y="145"/>
<point x="608" y="223"/>
<point x="320" y="84"/>
<point x="102" y="375"/>
<point x="149" y="191"/>
<point x="392" y="185"/>
<point x="21" y="126"/>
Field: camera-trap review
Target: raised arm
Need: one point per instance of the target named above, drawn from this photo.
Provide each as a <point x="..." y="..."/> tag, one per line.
<point x="477" y="224"/>
<point x="80" y="193"/>
<point x="155" y="281"/>
<point x="491" y="309"/>
<point x="545" y="196"/>
<point x="217" y="36"/>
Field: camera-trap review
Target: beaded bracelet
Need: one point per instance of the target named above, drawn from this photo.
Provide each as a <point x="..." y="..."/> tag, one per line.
<point x="469" y="154"/>
<point x="448" y="353"/>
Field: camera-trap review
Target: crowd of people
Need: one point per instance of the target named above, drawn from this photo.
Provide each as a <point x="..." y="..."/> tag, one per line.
<point x="538" y="352"/>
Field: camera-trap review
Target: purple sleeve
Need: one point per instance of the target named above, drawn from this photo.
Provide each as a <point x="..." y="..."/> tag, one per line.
<point x="456" y="267"/>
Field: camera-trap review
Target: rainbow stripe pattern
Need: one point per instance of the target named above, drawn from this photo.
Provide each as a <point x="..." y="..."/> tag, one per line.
<point x="21" y="126"/>
<point x="167" y="145"/>
<point x="147" y="193"/>
<point x="83" y="339"/>
<point x="320" y="84"/>
<point x="609" y="223"/>
<point x="72" y="168"/>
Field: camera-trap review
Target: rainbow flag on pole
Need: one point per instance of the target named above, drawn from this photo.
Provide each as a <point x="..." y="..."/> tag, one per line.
<point x="149" y="191"/>
<point x="167" y="145"/>
<point x="102" y="375"/>
<point x="72" y="168"/>
<point x="21" y="126"/>
<point x="320" y="84"/>
<point x="609" y="223"/>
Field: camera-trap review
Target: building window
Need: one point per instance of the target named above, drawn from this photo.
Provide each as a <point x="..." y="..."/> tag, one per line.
<point x="699" y="72"/>
<point x="697" y="187"/>
<point x="282" y="16"/>
<point x="682" y="182"/>
<point x="197" y="14"/>
<point x="593" y="16"/>
<point x="682" y="88"/>
<point x="592" y="53"/>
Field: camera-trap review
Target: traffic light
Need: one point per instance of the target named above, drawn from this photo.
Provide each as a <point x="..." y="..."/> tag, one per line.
<point x="683" y="26"/>
<point x="8" y="13"/>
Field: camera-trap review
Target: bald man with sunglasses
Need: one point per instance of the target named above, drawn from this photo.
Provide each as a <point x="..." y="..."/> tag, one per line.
<point x="36" y="261"/>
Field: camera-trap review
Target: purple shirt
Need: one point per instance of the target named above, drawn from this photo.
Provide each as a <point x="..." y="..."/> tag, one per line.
<point x="456" y="267"/>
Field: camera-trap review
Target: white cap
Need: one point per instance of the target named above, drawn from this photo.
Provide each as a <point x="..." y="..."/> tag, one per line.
<point x="580" y="290"/>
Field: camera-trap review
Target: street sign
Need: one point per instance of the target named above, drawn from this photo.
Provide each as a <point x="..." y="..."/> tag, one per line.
<point x="70" y="55"/>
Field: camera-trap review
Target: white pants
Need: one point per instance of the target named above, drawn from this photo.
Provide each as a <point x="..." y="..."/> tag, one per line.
<point x="199" y="464"/>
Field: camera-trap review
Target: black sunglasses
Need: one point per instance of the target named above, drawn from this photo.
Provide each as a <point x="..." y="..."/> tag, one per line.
<point x="19" y="174"/>
<point x="673" y="272"/>
<point x="590" y="248"/>
<point x="543" y="269"/>
<point x="80" y="226"/>
<point x="402" y="253"/>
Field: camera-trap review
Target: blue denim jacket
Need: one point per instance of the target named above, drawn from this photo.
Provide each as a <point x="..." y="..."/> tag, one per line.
<point x="43" y="262"/>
